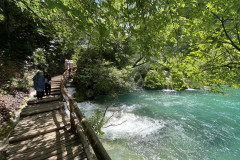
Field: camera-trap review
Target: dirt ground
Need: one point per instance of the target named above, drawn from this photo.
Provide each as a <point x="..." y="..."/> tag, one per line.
<point x="9" y="104"/>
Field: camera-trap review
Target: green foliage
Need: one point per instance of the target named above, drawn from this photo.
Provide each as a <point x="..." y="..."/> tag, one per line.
<point x="1" y="17"/>
<point x="3" y="91"/>
<point x="96" y="121"/>
<point x="94" y="76"/>
<point x="177" y="81"/>
<point x="51" y="59"/>
<point x="154" y="79"/>
<point x="39" y="58"/>
<point x="79" y="96"/>
<point x="11" y="72"/>
<point x="25" y="83"/>
<point x="196" y="40"/>
<point x="18" y="34"/>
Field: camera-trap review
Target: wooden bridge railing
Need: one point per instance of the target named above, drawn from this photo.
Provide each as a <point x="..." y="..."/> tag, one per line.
<point x="76" y="117"/>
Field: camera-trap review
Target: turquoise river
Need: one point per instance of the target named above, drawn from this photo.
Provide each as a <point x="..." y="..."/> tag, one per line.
<point x="170" y="125"/>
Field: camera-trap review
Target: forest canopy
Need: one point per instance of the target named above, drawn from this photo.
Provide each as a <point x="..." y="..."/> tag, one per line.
<point x="188" y="43"/>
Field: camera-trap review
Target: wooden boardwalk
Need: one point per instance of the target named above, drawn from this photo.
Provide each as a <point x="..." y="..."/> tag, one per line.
<point x="43" y="131"/>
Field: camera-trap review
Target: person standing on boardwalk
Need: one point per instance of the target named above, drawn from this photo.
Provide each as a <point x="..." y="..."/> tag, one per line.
<point x="39" y="84"/>
<point x="47" y="83"/>
<point x="70" y="64"/>
<point x="66" y="64"/>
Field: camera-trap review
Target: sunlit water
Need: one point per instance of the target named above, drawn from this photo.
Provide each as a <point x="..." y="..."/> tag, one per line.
<point x="152" y="125"/>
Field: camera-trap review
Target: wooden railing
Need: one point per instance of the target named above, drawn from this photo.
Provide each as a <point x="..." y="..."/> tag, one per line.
<point x="77" y="119"/>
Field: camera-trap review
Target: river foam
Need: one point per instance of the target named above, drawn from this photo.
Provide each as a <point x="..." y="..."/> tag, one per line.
<point x="175" y="125"/>
<point x="151" y="125"/>
<point x="123" y="125"/>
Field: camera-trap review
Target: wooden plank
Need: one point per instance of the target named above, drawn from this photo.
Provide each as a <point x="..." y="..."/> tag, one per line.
<point x="44" y="100"/>
<point x="60" y="112"/>
<point x="40" y="108"/>
<point x="37" y="128"/>
<point x="42" y="131"/>
<point x="32" y="134"/>
<point x="64" y="153"/>
<point x="54" y="120"/>
<point x="57" y="120"/>
<point x="55" y="93"/>
<point x="76" y="156"/>
<point x="41" y="145"/>
<point x="49" y="137"/>
<point x="55" y="90"/>
<point x="46" y="115"/>
<point x="55" y="87"/>
<point x="43" y="153"/>
<point x="42" y="105"/>
<point x="70" y="154"/>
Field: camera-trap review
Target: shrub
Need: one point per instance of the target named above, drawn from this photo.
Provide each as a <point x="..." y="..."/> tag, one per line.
<point x="95" y="76"/>
<point x="155" y="80"/>
<point x="96" y="121"/>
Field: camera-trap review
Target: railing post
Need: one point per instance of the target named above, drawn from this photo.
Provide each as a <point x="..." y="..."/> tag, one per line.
<point x="61" y="89"/>
<point x="97" y="146"/>
<point x="73" y="128"/>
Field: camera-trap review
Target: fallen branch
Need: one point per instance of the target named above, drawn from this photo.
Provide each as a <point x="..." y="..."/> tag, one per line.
<point x="115" y="124"/>
<point x="111" y="116"/>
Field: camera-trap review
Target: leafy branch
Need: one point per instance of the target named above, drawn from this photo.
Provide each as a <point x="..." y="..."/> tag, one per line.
<point x="225" y="31"/>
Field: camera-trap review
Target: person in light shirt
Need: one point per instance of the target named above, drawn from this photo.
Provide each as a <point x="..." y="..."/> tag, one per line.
<point x="68" y="66"/>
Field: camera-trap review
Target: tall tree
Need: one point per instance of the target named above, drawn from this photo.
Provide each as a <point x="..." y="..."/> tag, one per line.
<point x="197" y="38"/>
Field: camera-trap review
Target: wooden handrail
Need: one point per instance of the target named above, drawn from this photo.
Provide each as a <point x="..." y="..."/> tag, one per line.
<point x="76" y="114"/>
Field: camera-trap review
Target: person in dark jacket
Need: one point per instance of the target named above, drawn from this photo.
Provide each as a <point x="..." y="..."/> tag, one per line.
<point x="39" y="84"/>
<point x="47" y="83"/>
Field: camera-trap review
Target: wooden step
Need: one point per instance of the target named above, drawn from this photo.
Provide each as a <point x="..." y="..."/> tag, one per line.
<point x="41" y="141"/>
<point x="44" y="100"/>
<point x="60" y="144"/>
<point x="55" y="92"/>
<point x="33" y="126"/>
<point x="40" y="108"/>
<point x="43" y="131"/>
